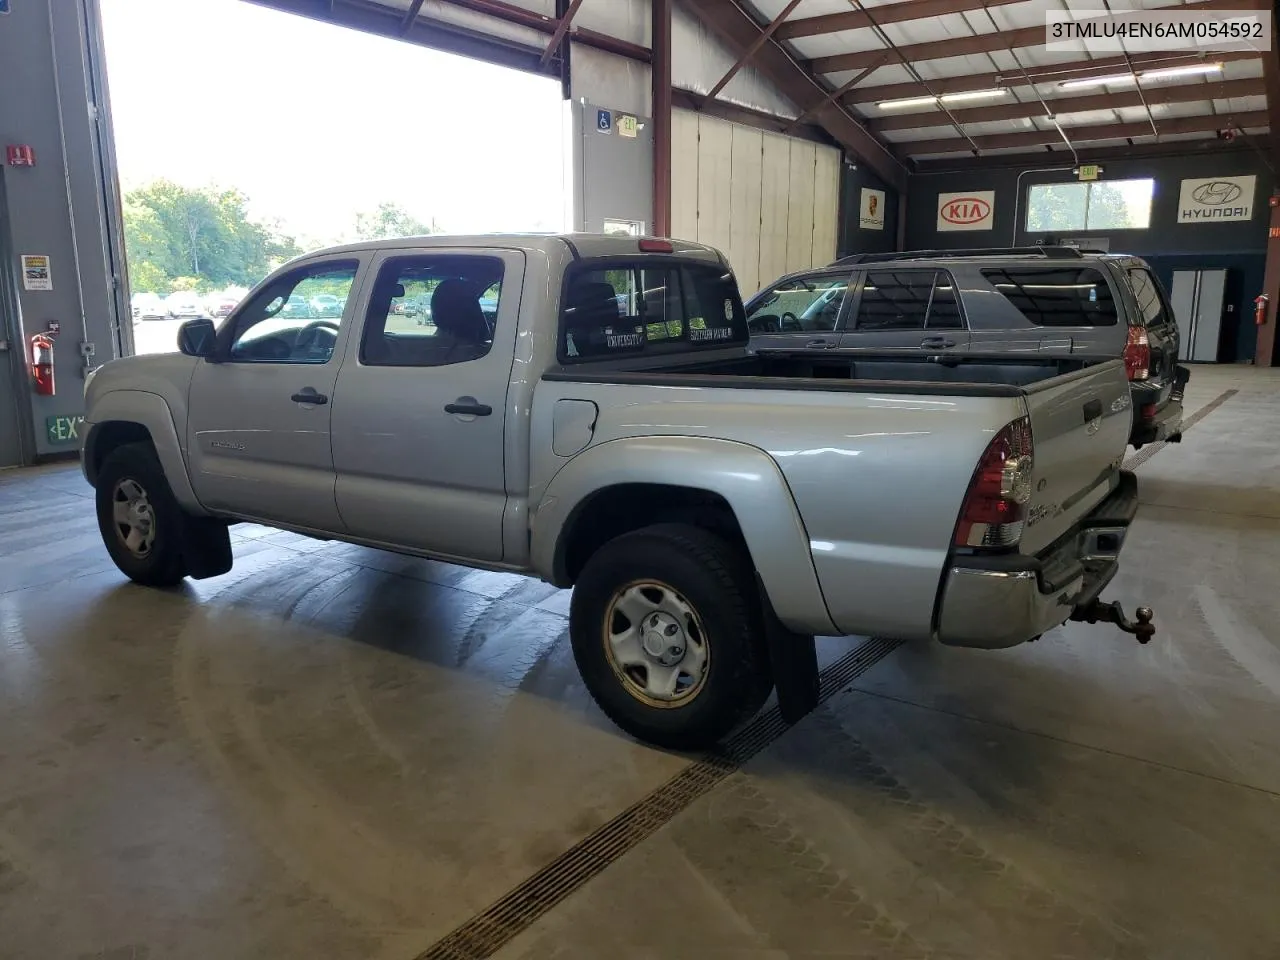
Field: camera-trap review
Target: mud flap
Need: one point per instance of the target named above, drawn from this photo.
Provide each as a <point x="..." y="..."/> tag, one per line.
<point x="206" y="547"/>
<point x="793" y="661"/>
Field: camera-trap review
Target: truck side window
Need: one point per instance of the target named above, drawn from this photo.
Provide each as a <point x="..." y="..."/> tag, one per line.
<point x="1056" y="296"/>
<point x="431" y="311"/>
<point x="895" y="300"/>
<point x="293" y="320"/>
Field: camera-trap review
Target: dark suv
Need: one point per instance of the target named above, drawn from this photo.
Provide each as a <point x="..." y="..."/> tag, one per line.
<point x="1047" y="299"/>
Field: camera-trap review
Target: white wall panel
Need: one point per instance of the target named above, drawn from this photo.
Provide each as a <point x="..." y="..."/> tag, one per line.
<point x="715" y="176"/>
<point x="744" y="208"/>
<point x="800" y="205"/>
<point x="826" y="205"/>
<point x="684" y="175"/>
<point x="775" y="187"/>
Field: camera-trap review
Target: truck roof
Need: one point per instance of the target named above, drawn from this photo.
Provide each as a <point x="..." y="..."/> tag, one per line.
<point x="581" y="244"/>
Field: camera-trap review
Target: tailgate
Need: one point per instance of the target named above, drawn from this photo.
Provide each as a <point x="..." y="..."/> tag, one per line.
<point x="1079" y="431"/>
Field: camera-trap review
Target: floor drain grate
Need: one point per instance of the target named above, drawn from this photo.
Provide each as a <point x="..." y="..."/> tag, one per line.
<point x="487" y="932"/>
<point x="1151" y="449"/>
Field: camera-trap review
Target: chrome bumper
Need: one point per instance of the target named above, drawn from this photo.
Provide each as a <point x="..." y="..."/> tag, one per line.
<point x="1002" y="601"/>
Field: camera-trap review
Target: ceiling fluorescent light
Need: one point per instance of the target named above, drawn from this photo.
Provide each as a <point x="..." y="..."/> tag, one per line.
<point x="1189" y="70"/>
<point x="1098" y="81"/>
<point x="974" y="95"/>
<point x="909" y="102"/>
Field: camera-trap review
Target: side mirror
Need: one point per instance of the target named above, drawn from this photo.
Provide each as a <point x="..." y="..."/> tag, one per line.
<point x="196" y="338"/>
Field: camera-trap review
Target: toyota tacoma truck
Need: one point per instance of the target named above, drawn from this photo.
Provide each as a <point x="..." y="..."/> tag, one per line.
<point x="585" y="409"/>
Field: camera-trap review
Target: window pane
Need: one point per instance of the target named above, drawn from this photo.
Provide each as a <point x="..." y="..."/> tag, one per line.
<point x="811" y="304"/>
<point x="895" y="301"/>
<point x="626" y="309"/>
<point x="1056" y="206"/>
<point x="295" y="319"/>
<point x="1147" y="293"/>
<point x="944" y="311"/>
<point x="1057" y="297"/>
<point x="431" y="311"/>
<point x="1120" y="205"/>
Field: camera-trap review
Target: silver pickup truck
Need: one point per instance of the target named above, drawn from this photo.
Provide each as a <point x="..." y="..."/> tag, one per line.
<point x="585" y="409"/>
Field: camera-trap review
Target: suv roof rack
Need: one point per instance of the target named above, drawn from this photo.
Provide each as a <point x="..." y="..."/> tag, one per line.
<point x="1046" y="251"/>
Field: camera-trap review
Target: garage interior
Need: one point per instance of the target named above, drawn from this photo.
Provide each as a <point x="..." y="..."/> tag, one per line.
<point x="338" y="752"/>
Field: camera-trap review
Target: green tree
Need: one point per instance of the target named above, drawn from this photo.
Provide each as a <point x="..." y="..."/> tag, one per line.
<point x="1053" y="208"/>
<point x="173" y="231"/>
<point x="391" y="220"/>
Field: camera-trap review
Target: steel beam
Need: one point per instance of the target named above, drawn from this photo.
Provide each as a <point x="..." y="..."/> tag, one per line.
<point x="410" y="15"/>
<point x="840" y="91"/>
<point x="889" y="13"/>
<point x="557" y="36"/>
<point x="1271" y="77"/>
<point x="1106" y="131"/>
<point x="1087" y="154"/>
<point x="728" y="21"/>
<point x="520" y="16"/>
<point x="660" y="72"/>
<point x="751" y="51"/>
<point x="1183" y="93"/>
<point x="1046" y="74"/>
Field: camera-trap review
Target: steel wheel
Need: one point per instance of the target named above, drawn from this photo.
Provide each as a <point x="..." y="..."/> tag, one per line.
<point x="134" y="517"/>
<point x="655" y="642"/>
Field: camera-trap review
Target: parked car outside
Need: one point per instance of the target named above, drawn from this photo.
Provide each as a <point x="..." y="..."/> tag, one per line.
<point x="1047" y="300"/>
<point x="298" y="308"/>
<point x="221" y="305"/>
<point x="326" y="305"/>
<point x="148" y="306"/>
<point x="184" y="306"/>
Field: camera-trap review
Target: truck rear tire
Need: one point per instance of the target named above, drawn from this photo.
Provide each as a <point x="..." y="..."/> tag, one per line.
<point x="140" y="520"/>
<point x="668" y="637"/>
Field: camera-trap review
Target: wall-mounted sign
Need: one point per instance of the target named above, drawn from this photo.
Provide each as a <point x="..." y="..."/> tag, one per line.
<point x="63" y="429"/>
<point x="871" y="209"/>
<point x="966" y="211"/>
<point x="1088" y="171"/>
<point x="627" y="125"/>
<point x="604" y="121"/>
<point x="1216" y="199"/>
<point x="19" y="155"/>
<point x="35" y="272"/>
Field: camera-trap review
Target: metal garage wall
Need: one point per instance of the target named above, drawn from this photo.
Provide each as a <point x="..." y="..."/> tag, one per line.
<point x="770" y="202"/>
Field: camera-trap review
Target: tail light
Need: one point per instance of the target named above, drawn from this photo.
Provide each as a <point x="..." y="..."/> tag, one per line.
<point x="1137" y="354"/>
<point x="996" y="504"/>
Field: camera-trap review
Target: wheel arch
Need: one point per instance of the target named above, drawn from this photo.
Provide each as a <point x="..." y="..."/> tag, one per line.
<point x="731" y="488"/>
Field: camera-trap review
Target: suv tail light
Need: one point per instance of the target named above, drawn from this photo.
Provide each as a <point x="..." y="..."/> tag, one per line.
<point x="996" y="504"/>
<point x="1137" y="354"/>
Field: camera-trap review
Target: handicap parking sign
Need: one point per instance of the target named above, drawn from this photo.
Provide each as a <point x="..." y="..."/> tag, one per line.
<point x="604" y="121"/>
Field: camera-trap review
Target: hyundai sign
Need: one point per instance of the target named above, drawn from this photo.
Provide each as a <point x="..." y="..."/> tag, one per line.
<point x="1216" y="199"/>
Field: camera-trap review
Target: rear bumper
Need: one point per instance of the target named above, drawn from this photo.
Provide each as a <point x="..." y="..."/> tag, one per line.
<point x="1167" y="423"/>
<point x="1001" y="601"/>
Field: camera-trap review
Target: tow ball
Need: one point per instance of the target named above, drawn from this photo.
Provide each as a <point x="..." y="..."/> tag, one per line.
<point x="1097" y="611"/>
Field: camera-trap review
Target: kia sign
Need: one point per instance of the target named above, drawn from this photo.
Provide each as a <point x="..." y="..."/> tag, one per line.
<point x="966" y="211"/>
<point x="1216" y="199"/>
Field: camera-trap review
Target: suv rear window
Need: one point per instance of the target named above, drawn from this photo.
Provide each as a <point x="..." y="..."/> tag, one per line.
<point x="1058" y="296"/>
<point x="621" y="308"/>
<point x="1151" y="302"/>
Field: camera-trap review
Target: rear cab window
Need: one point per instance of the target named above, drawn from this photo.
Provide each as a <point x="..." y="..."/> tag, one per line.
<point x="1058" y="296"/>
<point x="638" y="306"/>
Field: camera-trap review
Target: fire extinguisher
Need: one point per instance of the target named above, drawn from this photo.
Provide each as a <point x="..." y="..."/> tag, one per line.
<point x="42" y="363"/>
<point x="1260" y="309"/>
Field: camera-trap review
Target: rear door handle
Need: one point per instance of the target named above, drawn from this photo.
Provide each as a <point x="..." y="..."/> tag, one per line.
<point x="820" y="344"/>
<point x="936" y="343"/>
<point x="310" y="396"/>
<point x="468" y="407"/>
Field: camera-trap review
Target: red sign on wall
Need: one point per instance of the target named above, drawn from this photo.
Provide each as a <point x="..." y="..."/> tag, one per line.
<point x="19" y="155"/>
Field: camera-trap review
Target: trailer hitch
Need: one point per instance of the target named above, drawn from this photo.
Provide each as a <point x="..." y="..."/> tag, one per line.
<point x="1096" y="611"/>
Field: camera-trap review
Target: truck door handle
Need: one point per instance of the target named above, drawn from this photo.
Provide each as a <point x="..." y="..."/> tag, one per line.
<point x="938" y="343"/>
<point x="310" y="396"/>
<point x="1092" y="410"/>
<point x="468" y="407"/>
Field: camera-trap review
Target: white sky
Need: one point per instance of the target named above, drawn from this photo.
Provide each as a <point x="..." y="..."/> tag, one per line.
<point x="313" y="122"/>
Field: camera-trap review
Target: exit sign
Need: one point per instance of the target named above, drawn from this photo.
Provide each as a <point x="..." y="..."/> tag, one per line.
<point x="1089" y="171"/>
<point x="63" y="429"/>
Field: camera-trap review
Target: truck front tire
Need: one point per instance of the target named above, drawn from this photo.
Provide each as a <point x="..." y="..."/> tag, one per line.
<point x="140" y="521"/>
<point x="668" y="637"/>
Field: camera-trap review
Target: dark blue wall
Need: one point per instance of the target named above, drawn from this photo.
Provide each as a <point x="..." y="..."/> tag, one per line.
<point x="1166" y="244"/>
<point x="854" y="239"/>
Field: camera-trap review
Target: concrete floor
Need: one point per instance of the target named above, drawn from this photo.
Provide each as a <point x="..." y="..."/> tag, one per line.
<point x="332" y="752"/>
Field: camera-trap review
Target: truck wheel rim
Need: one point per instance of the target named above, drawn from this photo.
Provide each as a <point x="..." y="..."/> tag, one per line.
<point x="134" y="517"/>
<point x="656" y="645"/>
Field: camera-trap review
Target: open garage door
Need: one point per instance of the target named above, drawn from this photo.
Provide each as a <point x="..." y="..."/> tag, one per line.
<point x="770" y="202"/>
